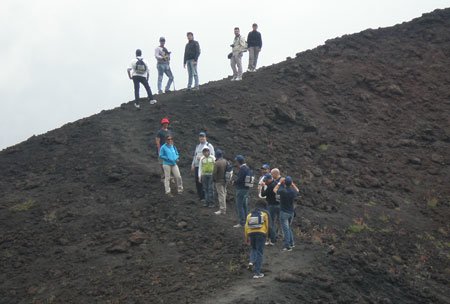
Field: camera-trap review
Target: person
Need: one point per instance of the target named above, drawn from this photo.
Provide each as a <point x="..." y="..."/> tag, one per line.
<point x="198" y="153"/>
<point x="273" y="206"/>
<point x="238" y="47"/>
<point x="256" y="228"/>
<point x="220" y="182"/>
<point x="254" y="47"/>
<point x="265" y="168"/>
<point x="162" y="56"/>
<point x="288" y="193"/>
<point x="241" y="190"/>
<point x="138" y="72"/>
<point x="169" y="154"/>
<point x="205" y="176"/>
<point x="160" y="139"/>
<point x="191" y="54"/>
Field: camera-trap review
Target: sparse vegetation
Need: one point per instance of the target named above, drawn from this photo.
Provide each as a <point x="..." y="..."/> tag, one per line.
<point x="27" y="205"/>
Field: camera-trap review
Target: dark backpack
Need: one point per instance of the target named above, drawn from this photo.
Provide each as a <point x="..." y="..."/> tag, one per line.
<point x="141" y="67"/>
<point x="256" y="219"/>
<point x="228" y="172"/>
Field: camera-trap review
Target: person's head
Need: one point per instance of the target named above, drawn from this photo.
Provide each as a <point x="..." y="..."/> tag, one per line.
<point x="206" y="151"/>
<point x="240" y="160"/>
<point x="236" y="31"/>
<point x="261" y="204"/>
<point x="162" y="41"/>
<point x="265" y="168"/>
<point x="138" y="53"/>
<point x="165" y="122"/>
<point x="190" y="36"/>
<point x="169" y="139"/>
<point x="288" y="181"/>
<point x="268" y="178"/>
<point x="219" y="153"/>
<point x="275" y="173"/>
<point x="202" y="137"/>
<point x="254" y="26"/>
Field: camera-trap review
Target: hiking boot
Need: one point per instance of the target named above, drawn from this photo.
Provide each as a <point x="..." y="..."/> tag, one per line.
<point x="271" y="243"/>
<point x="234" y="78"/>
<point x="196" y="89"/>
<point x="167" y="91"/>
<point x="160" y="92"/>
<point x="137" y="105"/>
<point x="153" y="101"/>
<point x="287" y="249"/>
<point x="237" y="226"/>
<point x="258" y="276"/>
<point x="219" y="212"/>
<point x="238" y="78"/>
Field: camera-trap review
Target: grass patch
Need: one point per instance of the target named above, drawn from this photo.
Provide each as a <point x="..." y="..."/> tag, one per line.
<point x="27" y="205"/>
<point x="323" y="147"/>
<point x="357" y="226"/>
<point x="432" y="202"/>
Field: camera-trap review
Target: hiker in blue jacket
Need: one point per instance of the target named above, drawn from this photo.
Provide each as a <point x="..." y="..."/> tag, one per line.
<point x="241" y="190"/>
<point x="169" y="154"/>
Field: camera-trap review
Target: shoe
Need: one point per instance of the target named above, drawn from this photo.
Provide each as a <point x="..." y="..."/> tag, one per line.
<point x="153" y="101"/>
<point x="287" y="249"/>
<point x="180" y="191"/>
<point x="219" y="212"/>
<point x="137" y="105"/>
<point x="292" y="246"/>
<point x="258" y="276"/>
<point x="271" y="244"/>
<point x="169" y="194"/>
<point x="167" y="91"/>
<point x="160" y="92"/>
<point x="250" y="265"/>
<point x="196" y="89"/>
<point x="238" y="78"/>
<point x="234" y="78"/>
<point x="237" y="226"/>
<point x="267" y="243"/>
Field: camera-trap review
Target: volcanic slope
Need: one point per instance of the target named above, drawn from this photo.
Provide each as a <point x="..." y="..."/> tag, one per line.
<point x="362" y="125"/>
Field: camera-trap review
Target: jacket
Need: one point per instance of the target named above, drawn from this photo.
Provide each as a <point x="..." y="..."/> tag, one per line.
<point x="239" y="183"/>
<point x="287" y="197"/>
<point x="191" y="51"/>
<point x="219" y="170"/>
<point x="206" y="165"/>
<point x="198" y="153"/>
<point x="269" y="194"/>
<point x="169" y="154"/>
<point x="265" y="225"/>
<point x="239" y="45"/>
<point x="254" y="39"/>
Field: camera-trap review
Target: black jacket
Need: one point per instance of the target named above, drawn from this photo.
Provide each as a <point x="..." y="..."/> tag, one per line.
<point x="254" y="39"/>
<point x="269" y="194"/>
<point x="192" y="51"/>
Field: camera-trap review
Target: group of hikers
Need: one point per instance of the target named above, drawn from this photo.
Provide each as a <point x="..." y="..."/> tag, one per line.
<point x="138" y="70"/>
<point x="213" y="173"/>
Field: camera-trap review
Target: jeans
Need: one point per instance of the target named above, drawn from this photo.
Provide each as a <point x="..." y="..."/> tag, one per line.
<point x="207" y="185"/>
<point x="242" y="205"/>
<point x="164" y="68"/>
<point x="198" y="185"/>
<point x="236" y="60"/>
<point x="286" y="222"/>
<point x="176" y="173"/>
<point x="141" y="79"/>
<point x="274" y="212"/>
<point x="253" y="53"/>
<point x="257" y="241"/>
<point x="192" y="73"/>
<point x="221" y="189"/>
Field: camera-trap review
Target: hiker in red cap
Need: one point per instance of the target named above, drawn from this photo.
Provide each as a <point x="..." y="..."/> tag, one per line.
<point x="160" y="140"/>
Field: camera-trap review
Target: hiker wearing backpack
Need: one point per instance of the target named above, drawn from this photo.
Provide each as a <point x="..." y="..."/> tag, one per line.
<point x="239" y="46"/>
<point x="138" y="72"/>
<point x="162" y="56"/>
<point x="198" y="153"/>
<point x="191" y="54"/>
<point x="160" y="139"/>
<point x="205" y="176"/>
<point x="273" y="206"/>
<point x="254" y="47"/>
<point x="242" y="185"/>
<point x="222" y="174"/>
<point x="256" y="229"/>
<point x="169" y="154"/>
<point x="288" y="193"/>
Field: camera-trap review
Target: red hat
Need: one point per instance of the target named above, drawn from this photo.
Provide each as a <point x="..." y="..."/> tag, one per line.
<point x="165" y="120"/>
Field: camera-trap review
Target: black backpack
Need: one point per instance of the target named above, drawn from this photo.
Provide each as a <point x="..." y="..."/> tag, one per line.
<point x="141" y="67"/>
<point x="256" y="219"/>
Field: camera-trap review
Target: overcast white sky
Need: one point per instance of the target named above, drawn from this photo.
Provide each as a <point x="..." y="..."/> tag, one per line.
<point x="62" y="60"/>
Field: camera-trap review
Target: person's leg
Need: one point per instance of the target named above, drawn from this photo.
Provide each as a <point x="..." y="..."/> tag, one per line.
<point x="198" y="185"/>
<point x="221" y="196"/>
<point x="144" y="82"/>
<point x="239" y="64"/>
<point x="245" y="204"/>
<point x="136" y="88"/>
<point x="209" y="192"/>
<point x="233" y="65"/>
<point x="272" y="235"/>
<point x="276" y="220"/>
<point x="284" y="222"/>
<point x="259" y="248"/>
<point x="190" y="73"/>
<point x="255" y="58"/>
<point x="251" y="57"/>
<point x="169" y="74"/>
<point x="252" y="249"/>
<point x="239" y="205"/>
<point x="177" y="175"/>
<point x="195" y="73"/>
<point x="167" y="170"/>
<point x="160" y="69"/>
<point x="291" y="232"/>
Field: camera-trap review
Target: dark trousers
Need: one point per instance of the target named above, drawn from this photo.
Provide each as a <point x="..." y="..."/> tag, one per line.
<point x="141" y="79"/>
<point x="257" y="241"/>
<point x="199" y="186"/>
<point x="274" y="213"/>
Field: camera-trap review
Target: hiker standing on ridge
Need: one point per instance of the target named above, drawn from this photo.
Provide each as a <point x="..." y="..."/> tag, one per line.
<point x="162" y="56"/>
<point x="254" y="47"/>
<point x="239" y="46"/>
<point x="198" y="153"/>
<point x="169" y="155"/>
<point x="138" y="72"/>
<point x="160" y="140"/>
<point x="191" y="54"/>
<point x="205" y="176"/>
<point x="220" y="182"/>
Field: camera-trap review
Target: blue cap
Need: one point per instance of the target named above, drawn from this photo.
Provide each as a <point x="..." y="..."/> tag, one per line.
<point x="202" y="134"/>
<point x="265" y="166"/>
<point x="288" y="180"/>
<point x="267" y="176"/>
<point x="240" y="159"/>
<point x="219" y="153"/>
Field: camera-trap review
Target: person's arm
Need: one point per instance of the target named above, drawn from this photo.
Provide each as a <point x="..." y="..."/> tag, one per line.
<point x="197" y="51"/>
<point x="158" y="143"/>
<point x="158" y="54"/>
<point x="162" y="154"/>
<point x="259" y="40"/>
<point x="278" y="185"/>
<point x="185" y="55"/>
<point x="129" y="73"/>
<point x="200" y="168"/>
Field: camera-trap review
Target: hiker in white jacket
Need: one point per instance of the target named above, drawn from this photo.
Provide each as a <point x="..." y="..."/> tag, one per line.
<point x="239" y="46"/>
<point x="198" y="154"/>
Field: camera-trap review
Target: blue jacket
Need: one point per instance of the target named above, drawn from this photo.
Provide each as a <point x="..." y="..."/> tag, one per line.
<point x="239" y="183"/>
<point x="287" y="197"/>
<point x="169" y="154"/>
